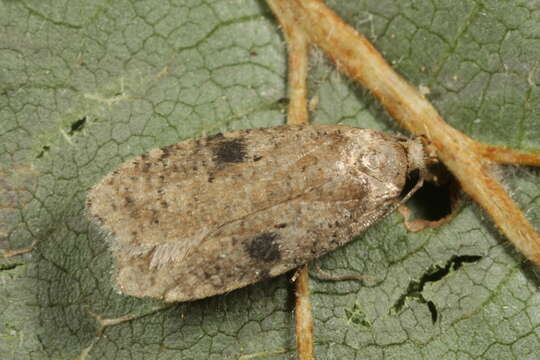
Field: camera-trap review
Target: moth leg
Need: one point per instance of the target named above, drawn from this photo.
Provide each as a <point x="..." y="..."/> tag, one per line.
<point x="321" y="274"/>
<point x="12" y="253"/>
<point x="415" y="188"/>
<point x="296" y="274"/>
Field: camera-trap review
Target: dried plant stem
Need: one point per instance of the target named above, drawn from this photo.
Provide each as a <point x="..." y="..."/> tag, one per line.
<point x="303" y="316"/>
<point x="470" y="162"/>
<point x="298" y="48"/>
<point x="504" y="155"/>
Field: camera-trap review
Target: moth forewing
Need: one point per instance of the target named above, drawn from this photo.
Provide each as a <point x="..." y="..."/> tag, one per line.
<point x="206" y="216"/>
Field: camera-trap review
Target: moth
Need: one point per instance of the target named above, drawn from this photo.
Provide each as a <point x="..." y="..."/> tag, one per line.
<point x="210" y="215"/>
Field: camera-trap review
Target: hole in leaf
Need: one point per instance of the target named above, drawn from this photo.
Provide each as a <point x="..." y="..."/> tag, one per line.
<point x="433" y="310"/>
<point x="44" y="149"/>
<point x="435" y="202"/>
<point x="431" y="202"/>
<point x="10" y="266"/>
<point x="356" y="316"/>
<point x="434" y="273"/>
<point x="77" y="126"/>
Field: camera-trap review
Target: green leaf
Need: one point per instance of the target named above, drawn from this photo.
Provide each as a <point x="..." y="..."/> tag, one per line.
<point x="85" y="85"/>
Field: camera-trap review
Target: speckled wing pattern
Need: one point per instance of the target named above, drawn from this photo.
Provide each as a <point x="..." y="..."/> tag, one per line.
<point x="206" y="216"/>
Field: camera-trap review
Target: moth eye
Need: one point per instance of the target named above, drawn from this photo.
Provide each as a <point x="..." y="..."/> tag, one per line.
<point x="413" y="176"/>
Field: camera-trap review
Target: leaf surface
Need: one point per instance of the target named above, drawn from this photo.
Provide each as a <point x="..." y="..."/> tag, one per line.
<point x="86" y="85"/>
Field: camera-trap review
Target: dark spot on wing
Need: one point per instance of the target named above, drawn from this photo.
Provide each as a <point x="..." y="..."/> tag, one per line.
<point x="257" y="158"/>
<point x="230" y="151"/>
<point x="264" y="247"/>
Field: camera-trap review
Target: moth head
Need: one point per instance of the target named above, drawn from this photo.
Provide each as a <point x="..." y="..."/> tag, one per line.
<point x="416" y="156"/>
<point x="416" y="167"/>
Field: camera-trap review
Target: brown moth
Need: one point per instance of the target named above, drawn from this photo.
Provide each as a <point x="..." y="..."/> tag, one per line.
<point x="207" y="216"/>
